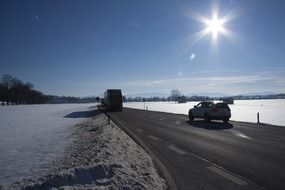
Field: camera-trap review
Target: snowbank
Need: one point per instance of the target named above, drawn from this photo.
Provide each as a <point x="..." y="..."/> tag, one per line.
<point x="101" y="156"/>
<point x="33" y="135"/>
<point x="271" y="111"/>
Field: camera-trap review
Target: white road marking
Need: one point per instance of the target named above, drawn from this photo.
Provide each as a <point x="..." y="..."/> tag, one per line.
<point x="177" y="122"/>
<point x="228" y="176"/>
<point x="139" y="130"/>
<point x="214" y="168"/>
<point x="178" y="150"/>
<point x="152" y="137"/>
<point x="162" y="118"/>
<point x="244" y="136"/>
<point x="239" y="134"/>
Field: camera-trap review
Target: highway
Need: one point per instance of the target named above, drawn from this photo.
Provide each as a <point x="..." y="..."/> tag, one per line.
<point x="200" y="155"/>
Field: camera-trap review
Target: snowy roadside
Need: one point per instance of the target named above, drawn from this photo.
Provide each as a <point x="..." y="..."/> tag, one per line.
<point x="101" y="156"/>
<point x="270" y="111"/>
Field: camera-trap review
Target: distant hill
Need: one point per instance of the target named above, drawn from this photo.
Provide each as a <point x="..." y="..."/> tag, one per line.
<point x="198" y="97"/>
<point x="206" y="94"/>
<point x="259" y="93"/>
<point x="214" y="94"/>
<point x="148" y="95"/>
<point x="165" y="95"/>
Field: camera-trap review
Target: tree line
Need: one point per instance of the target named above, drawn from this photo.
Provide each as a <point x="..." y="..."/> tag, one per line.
<point x="14" y="91"/>
<point x="175" y="95"/>
<point x="180" y="99"/>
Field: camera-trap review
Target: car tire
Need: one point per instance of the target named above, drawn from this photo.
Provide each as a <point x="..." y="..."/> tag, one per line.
<point x="207" y="117"/>
<point x="226" y="120"/>
<point x="191" y="117"/>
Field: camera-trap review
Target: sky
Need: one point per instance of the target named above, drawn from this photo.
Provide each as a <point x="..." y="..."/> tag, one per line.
<point x="82" y="48"/>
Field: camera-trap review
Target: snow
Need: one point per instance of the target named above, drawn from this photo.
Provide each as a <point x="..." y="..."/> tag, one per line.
<point x="101" y="156"/>
<point x="270" y="111"/>
<point x="33" y="135"/>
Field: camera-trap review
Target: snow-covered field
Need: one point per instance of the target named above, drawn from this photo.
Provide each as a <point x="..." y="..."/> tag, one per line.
<point x="100" y="156"/>
<point x="271" y="111"/>
<point x="70" y="146"/>
<point x="33" y="135"/>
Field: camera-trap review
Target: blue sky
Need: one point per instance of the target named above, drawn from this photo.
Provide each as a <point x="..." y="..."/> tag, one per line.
<point x="81" y="48"/>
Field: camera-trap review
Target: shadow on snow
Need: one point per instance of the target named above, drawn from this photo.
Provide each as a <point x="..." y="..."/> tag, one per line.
<point x="83" y="114"/>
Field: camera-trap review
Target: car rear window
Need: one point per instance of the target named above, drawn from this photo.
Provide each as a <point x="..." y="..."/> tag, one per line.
<point x="222" y="105"/>
<point x="207" y="104"/>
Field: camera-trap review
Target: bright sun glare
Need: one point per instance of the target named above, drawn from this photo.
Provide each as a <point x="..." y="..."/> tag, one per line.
<point x="214" y="26"/>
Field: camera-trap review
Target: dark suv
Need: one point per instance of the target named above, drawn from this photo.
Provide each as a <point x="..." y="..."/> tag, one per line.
<point x="210" y="111"/>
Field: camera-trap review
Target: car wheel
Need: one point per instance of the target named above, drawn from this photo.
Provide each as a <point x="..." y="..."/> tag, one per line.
<point x="191" y="117"/>
<point x="207" y="117"/>
<point x="226" y="120"/>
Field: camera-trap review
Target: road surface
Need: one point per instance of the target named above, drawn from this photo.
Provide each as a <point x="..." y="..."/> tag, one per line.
<point x="200" y="155"/>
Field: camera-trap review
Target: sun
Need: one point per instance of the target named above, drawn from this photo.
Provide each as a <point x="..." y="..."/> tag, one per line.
<point x="215" y="26"/>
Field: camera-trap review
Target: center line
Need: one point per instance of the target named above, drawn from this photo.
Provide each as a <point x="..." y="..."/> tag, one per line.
<point x="152" y="137"/>
<point x="239" y="134"/>
<point x="177" y="122"/>
<point x="243" y="136"/>
<point x="227" y="175"/>
<point x="178" y="150"/>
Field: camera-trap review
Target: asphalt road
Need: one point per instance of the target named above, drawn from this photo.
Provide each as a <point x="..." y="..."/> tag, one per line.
<point x="200" y="155"/>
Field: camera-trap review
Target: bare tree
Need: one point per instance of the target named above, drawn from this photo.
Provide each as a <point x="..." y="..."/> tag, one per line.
<point x="26" y="89"/>
<point x="175" y="94"/>
<point x="14" y="91"/>
<point x="6" y="82"/>
<point x="2" y="99"/>
<point x="29" y="85"/>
